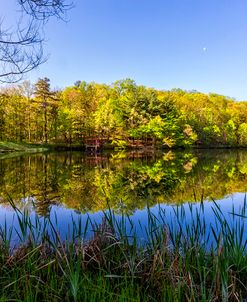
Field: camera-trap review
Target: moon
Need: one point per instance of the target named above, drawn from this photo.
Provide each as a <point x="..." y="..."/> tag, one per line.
<point x="204" y="49"/>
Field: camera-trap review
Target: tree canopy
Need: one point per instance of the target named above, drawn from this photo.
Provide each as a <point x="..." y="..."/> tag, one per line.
<point x="122" y="114"/>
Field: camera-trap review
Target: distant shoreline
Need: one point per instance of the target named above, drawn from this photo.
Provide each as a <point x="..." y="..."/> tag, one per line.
<point x="13" y="147"/>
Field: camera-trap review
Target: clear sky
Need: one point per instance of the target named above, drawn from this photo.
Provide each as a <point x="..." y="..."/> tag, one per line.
<point x="188" y="44"/>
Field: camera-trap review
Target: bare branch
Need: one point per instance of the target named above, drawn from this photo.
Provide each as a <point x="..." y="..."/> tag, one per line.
<point x="44" y="9"/>
<point x="21" y="50"/>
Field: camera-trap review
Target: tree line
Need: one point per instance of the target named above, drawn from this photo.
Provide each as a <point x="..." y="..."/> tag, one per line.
<point x="121" y="114"/>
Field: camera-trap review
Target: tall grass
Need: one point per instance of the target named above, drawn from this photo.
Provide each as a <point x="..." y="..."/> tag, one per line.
<point x="181" y="259"/>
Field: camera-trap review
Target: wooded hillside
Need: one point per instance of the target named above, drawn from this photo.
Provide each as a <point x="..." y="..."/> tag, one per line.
<point x="122" y="114"/>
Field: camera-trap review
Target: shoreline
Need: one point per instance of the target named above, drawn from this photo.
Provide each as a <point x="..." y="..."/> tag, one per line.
<point x="13" y="147"/>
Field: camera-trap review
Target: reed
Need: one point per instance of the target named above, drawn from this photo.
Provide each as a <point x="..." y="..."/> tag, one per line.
<point x="180" y="259"/>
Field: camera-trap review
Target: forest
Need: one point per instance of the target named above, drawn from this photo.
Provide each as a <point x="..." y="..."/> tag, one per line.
<point x="121" y="115"/>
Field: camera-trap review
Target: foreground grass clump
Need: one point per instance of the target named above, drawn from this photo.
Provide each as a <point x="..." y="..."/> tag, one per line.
<point x="179" y="261"/>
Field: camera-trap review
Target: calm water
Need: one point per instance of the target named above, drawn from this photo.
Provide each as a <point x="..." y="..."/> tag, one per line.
<point x="65" y="185"/>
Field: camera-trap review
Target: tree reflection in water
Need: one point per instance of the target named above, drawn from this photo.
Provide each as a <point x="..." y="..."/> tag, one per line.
<point x="123" y="181"/>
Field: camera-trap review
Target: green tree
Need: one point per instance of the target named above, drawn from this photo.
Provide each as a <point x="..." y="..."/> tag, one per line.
<point x="44" y="96"/>
<point x="242" y="134"/>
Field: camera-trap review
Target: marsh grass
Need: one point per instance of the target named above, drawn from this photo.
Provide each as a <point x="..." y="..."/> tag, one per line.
<point x="186" y="259"/>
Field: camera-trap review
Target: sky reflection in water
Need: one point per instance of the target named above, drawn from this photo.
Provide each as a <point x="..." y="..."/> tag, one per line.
<point x="66" y="186"/>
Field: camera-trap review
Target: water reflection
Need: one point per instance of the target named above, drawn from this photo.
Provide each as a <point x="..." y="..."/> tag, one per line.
<point x="124" y="182"/>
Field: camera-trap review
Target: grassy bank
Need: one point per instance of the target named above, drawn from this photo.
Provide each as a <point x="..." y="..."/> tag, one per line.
<point x="21" y="147"/>
<point x="176" y="262"/>
<point x="9" y="149"/>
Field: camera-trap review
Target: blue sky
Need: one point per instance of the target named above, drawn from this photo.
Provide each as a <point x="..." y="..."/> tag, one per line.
<point x="188" y="44"/>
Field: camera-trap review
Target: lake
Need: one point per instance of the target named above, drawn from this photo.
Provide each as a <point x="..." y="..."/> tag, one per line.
<point x="71" y="186"/>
